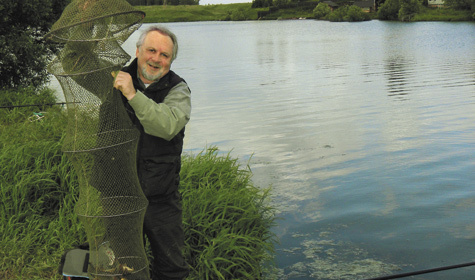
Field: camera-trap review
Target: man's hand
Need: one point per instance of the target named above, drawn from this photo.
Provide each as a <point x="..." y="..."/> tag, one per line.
<point x="123" y="82"/>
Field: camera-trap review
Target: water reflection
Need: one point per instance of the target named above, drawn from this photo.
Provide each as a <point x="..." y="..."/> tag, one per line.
<point x="397" y="73"/>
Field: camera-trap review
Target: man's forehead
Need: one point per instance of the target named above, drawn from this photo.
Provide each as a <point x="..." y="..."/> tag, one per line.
<point x="155" y="37"/>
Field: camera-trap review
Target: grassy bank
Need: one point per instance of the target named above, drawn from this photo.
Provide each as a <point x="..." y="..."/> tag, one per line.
<point x="222" y="12"/>
<point x="227" y="220"/>
<point x="237" y="11"/>
<point x="436" y="14"/>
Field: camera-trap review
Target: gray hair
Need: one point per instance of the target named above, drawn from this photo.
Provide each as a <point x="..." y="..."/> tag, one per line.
<point x="162" y="30"/>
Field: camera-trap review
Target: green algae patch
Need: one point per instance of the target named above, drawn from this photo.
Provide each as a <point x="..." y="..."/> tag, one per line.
<point x="322" y="256"/>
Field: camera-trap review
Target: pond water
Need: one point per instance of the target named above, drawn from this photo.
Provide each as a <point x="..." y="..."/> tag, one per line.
<point x="365" y="131"/>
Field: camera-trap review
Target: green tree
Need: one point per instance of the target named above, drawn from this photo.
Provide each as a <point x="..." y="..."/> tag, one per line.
<point x="189" y="2"/>
<point x="355" y="13"/>
<point x="338" y="14"/>
<point x="24" y="53"/>
<point x="408" y="8"/>
<point x="389" y="10"/>
<point x="348" y="13"/>
<point x="460" y="4"/>
<point x="279" y="3"/>
<point x="261" y="3"/>
<point x="257" y="4"/>
<point x="321" y="10"/>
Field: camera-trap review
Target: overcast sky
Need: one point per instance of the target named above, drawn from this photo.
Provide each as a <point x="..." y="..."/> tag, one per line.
<point x="212" y="2"/>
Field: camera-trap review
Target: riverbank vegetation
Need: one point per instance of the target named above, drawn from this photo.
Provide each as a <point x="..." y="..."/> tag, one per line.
<point x="415" y="10"/>
<point x="345" y="10"/>
<point x="436" y="14"/>
<point x="338" y="10"/>
<point x="180" y="13"/>
<point x="227" y="219"/>
<point x="344" y="13"/>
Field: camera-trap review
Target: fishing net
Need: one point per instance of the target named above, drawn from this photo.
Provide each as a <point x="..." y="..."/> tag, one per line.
<point x="101" y="140"/>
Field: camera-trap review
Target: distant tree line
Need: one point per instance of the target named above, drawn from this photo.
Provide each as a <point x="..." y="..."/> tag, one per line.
<point x="282" y="3"/>
<point x="262" y="3"/>
<point x="163" y="2"/>
<point x="454" y="4"/>
<point x="403" y="10"/>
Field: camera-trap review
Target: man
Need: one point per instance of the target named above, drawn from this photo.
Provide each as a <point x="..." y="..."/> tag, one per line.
<point x="159" y="104"/>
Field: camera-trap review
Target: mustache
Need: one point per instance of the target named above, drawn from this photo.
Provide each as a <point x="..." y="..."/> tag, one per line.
<point x="154" y="64"/>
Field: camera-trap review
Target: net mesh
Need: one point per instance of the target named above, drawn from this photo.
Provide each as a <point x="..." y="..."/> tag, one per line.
<point x="101" y="141"/>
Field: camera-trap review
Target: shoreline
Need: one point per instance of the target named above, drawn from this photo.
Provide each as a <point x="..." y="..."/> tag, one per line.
<point x="245" y="12"/>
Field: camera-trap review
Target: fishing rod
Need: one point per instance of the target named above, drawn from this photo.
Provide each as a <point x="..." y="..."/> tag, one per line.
<point x="32" y="105"/>
<point x="395" y="276"/>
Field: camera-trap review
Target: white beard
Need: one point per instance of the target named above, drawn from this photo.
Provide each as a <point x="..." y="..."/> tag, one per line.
<point x="148" y="76"/>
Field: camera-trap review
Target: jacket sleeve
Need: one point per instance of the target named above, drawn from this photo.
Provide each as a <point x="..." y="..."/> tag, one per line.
<point x="167" y="119"/>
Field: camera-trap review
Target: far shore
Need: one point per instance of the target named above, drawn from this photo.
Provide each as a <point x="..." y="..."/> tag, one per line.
<point x="244" y="11"/>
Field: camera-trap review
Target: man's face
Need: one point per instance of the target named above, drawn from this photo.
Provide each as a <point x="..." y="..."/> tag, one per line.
<point x="154" y="57"/>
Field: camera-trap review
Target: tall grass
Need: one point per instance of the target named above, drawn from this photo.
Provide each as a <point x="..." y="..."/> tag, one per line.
<point x="37" y="187"/>
<point x="227" y="220"/>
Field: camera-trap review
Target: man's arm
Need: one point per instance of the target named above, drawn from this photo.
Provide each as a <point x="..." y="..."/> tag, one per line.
<point x="167" y="119"/>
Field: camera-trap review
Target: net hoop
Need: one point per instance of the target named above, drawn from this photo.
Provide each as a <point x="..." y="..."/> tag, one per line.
<point x="53" y="37"/>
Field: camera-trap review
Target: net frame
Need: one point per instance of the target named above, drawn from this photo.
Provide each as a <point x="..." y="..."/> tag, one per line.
<point x="101" y="140"/>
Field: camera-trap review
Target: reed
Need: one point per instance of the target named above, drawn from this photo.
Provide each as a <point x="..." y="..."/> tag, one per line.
<point x="227" y="220"/>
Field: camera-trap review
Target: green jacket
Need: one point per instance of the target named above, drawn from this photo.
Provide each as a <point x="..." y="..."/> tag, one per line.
<point x="160" y="112"/>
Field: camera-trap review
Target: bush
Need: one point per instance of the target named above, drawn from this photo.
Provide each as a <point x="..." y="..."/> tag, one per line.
<point x="408" y="9"/>
<point x="321" y="10"/>
<point x="348" y="13"/>
<point x="403" y="10"/>
<point x="389" y="10"/>
<point x="338" y="14"/>
<point x="355" y="13"/>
